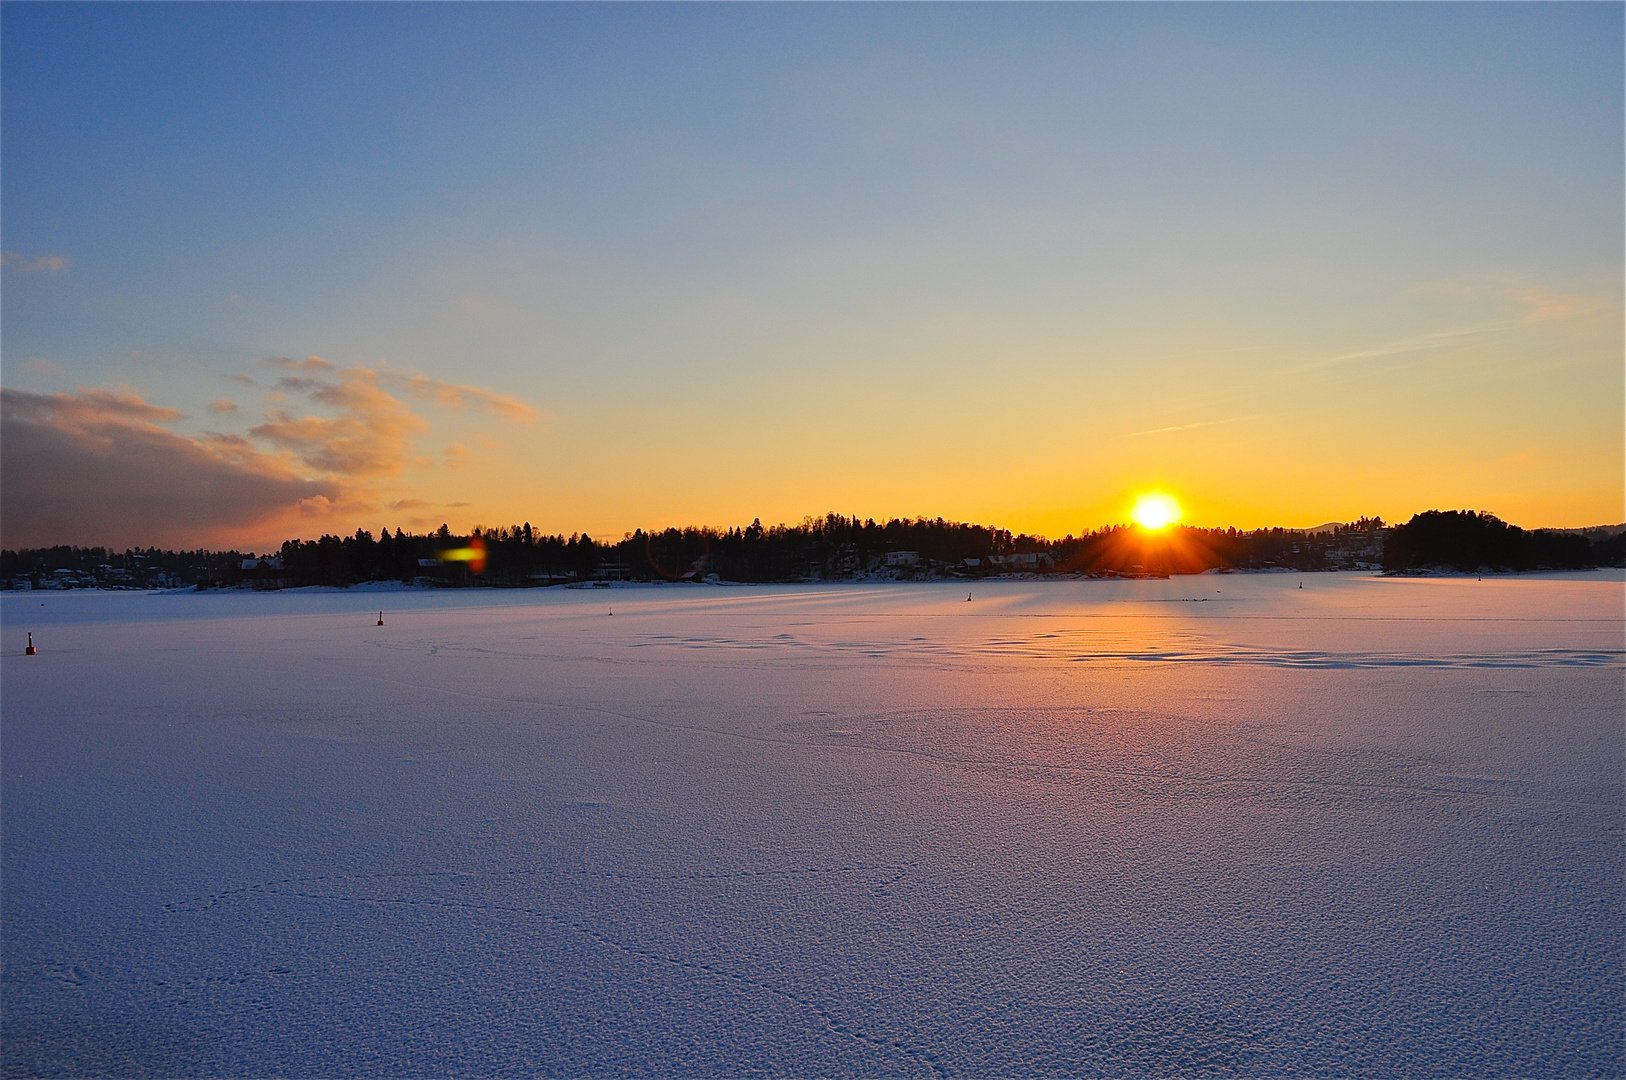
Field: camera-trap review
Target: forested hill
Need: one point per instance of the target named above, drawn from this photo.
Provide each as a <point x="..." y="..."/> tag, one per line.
<point x="1466" y="541"/>
<point x="833" y="548"/>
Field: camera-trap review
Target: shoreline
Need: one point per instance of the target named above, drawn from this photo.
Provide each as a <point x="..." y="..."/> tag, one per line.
<point x="396" y="587"/>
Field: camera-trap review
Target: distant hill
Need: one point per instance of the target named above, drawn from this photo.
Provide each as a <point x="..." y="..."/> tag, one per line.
<point x="1593" y="533"/>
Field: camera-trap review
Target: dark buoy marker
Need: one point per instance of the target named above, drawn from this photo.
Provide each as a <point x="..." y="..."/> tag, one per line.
<point x="968" y="596"/>
<point x="30" y="651"/>
<point x="380" y="618"/>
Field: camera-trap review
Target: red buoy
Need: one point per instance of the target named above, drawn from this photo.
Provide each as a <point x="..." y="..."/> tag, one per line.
<point x="30" y="651"/>
<point x="380" y="618"/>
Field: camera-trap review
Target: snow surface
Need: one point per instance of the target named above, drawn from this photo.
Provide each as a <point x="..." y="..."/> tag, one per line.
<point x="1217" y="825"/>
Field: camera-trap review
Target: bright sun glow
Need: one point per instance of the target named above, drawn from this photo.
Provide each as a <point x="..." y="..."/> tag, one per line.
<point x="1155" y="512"/>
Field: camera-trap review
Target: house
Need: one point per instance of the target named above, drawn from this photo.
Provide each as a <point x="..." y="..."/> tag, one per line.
<point x="265" y="573"/>
<point x="903" y="558"/>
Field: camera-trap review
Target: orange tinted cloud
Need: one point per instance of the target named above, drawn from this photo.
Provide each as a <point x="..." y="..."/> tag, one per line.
<point x="459" y="396"/>
<point x="371" y="437"/>
<point x="1543" y="305"/>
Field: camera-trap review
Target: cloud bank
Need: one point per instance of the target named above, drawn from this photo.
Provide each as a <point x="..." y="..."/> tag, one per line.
<point x="98" y="467"/>
<point x="95" y="467"/>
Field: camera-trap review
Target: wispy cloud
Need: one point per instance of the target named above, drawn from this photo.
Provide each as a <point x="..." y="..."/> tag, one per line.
<point x="310" y="363"/>
<point x="459" y="396"/>
<point x="1541" y="304"/>
<point x="1593" y="305"/>
<point x="1440" y="339"/>
<point x="222" y="405"/>
<point x="1198" y="424"/>
<point x="49" y="265"/>
<point x="299" y="384"/>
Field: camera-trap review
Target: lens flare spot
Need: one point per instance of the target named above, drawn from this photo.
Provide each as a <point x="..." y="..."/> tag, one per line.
<point x="474" y="555"/>
<point x="1154" y="512"/>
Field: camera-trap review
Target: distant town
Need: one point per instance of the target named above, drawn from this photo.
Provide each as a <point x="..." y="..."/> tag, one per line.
<point x="832" y="548"/>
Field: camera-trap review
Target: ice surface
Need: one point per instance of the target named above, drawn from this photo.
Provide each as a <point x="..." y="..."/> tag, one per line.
<point x="1217" y="825"/>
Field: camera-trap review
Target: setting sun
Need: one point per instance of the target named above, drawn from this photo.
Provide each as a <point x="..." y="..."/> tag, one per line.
<point x="1153" y="512"/>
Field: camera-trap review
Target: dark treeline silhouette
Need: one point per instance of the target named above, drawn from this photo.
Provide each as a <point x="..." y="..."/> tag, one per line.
<point x="832" y="548"/>
<point x="1467" y="541"/>
<point x="514" y="557"/>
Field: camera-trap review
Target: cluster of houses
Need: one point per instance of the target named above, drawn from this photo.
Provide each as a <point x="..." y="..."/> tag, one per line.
<point x="100" y="577"/>
<point x="1349" y="549"/>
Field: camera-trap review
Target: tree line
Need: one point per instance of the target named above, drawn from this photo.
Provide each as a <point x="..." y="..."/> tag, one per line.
<point x="831" y="548"/>
<point x="1466" y="541"/>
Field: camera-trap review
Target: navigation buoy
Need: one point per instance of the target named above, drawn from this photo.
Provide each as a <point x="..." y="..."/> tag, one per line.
<point x="30" y="651"/>
<point x="968" y="596"/>
<point x="612" y="611"/>
<point x="1301" y="584"/>
<point x="380" y="618"/>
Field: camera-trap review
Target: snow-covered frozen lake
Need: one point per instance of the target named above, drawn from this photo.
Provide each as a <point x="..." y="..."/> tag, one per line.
<point x="1217" y="825"/>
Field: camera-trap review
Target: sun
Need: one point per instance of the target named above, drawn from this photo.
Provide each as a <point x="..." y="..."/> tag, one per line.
<point x="1154" y="512"/>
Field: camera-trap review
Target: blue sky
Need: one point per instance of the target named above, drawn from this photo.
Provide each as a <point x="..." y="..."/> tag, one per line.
<point x="1010" y="263"/>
